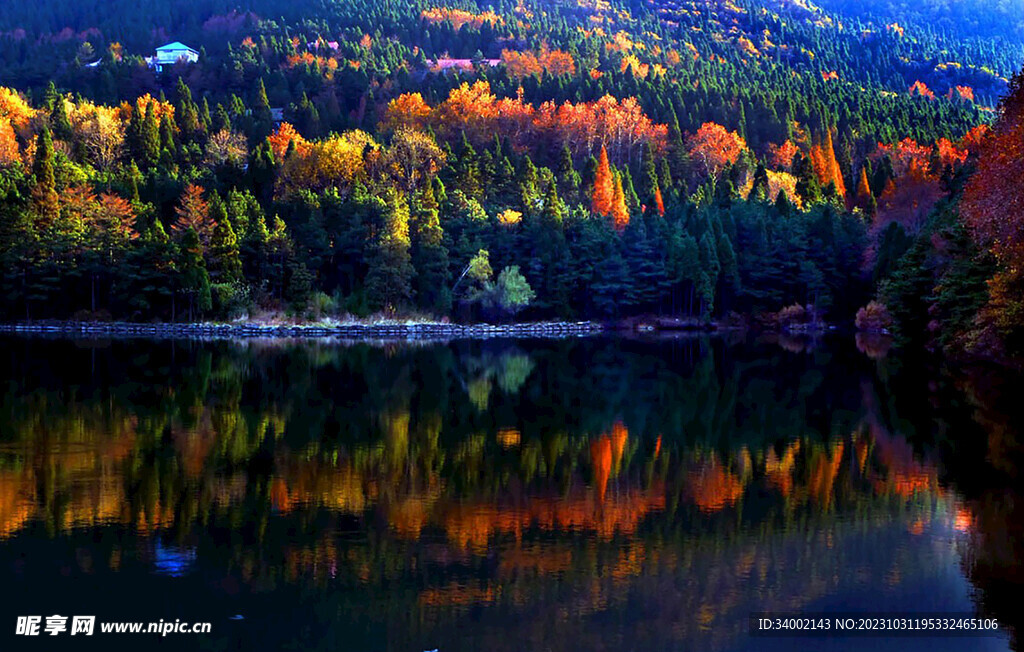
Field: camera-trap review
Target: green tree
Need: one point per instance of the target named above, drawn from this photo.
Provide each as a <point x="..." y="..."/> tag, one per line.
<point x="389" y="279"/>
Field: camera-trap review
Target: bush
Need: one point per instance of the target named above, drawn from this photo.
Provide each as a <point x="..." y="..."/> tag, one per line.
<point x="791" y="316"/>
<point x="873" y="318"/>
<point x="231" y="300"/>
<point x="321" y="305"/>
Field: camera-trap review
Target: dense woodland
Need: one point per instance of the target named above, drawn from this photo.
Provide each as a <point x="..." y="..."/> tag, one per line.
<point x="708" y="159"/>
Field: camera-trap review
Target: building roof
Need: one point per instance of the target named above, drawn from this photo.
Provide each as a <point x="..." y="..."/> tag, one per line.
<point x="177" y="45"/>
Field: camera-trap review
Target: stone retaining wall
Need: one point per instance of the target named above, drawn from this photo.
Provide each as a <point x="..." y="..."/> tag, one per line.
<point x="413" y="331"/>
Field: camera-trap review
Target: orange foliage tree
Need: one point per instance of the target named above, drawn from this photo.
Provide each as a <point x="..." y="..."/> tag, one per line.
<point x="282" y="137"/>
<point x="713" y="147"/>
<point x="919" y="89"/>
<point x="525" y="64"/>
<point x="604" y="187"/>
<point x="781" y="156"/>
<point x="409" y="110"/>
<point x="619" y="125"/>
<point x="193" y="212"/>
<point x="826" y="167"/>
<point x="460" y="17"/>
<point x="619" y="213"/>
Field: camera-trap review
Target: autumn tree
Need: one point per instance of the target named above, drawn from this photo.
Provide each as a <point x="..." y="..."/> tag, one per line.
<point x="992" y="208"/>
<point x="193" y="212"/>
<point x="603" y="193"/>
<point x="618" y="211"/>
<point x="713" y="147"/>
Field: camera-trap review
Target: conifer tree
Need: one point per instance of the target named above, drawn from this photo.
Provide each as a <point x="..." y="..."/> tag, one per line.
<point x="603" y="194"/>
<point x="389" y="279"/>
<point x="618" y="210"/>
<point x="429" y="254"/>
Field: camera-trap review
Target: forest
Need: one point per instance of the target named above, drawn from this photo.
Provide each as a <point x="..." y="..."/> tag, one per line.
<point x="768" y="161"/>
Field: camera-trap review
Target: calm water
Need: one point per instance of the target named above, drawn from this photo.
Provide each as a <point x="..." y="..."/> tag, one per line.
<point x="595" y="494"/>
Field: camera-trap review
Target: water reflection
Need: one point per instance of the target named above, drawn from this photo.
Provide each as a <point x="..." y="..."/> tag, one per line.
<point x="594" y="494"/>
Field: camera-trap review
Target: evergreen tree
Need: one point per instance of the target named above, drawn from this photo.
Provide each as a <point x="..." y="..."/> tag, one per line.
<point x="389" y="279"/>
<point x="195" y="281"/>
<point x="225" y="263"/>
<point x="430" y="254"/>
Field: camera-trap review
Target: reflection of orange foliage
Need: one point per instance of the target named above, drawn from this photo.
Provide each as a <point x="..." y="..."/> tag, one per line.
<point x="409" y="515"/>
<point x="779" y="470"/>
<point x="902" y="474"/>
<point x="472" y="525"/>
<point x="193" y="445"/>
<point x="17" y="501"/>
<point x="713" y="487"/>
<point x="619" y="437"/>
<point x="318" y="560"/>
<point x="824" y="468"/>
<point x="279" y="498"/>
<point x="964" y="521"/>
<point x="458" y="595"/>
<point x="601" y="454"/>
<point x="335" y="487"/>
<point x="509" y="437"/>
<point x="874" y="345"/>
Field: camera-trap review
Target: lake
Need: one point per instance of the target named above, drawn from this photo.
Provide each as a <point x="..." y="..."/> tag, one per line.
<point x="564" y="495"/>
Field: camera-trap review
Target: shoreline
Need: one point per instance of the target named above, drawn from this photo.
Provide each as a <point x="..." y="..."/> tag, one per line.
<point x="354" y="331"/>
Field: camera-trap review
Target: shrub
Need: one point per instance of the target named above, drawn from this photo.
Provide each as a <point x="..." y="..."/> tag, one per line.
<point x="873" y="318"/>
<point x="791" y="316"/>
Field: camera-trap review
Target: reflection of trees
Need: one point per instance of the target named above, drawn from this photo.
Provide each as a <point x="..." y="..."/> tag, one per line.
<point x="661" y="487"/>
<point x="991" y="479"/>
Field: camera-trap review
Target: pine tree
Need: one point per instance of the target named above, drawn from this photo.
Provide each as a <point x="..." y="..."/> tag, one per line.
<point x="42" y="167"/>
<point x="59" y="122"/>
<point x="149" y="138"/>
<point x="195" y="281"/>
<point x="225" y="264"/>
<point x="648" y="175"/>
<point x="389" y="280"/>
<point x="430" y="255"/>
<point x="568" y="177"/>
<point x="618" y="211"/>
<point x="263" y="117"/>
<point x="45" y="191"/>
<point x="864" y="196"/>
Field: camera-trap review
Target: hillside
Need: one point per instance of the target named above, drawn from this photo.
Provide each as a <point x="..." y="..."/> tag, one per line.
<point x="588" y="158"/>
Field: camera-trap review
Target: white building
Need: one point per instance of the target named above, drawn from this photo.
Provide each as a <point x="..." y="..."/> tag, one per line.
<point x="170" y="54"/>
